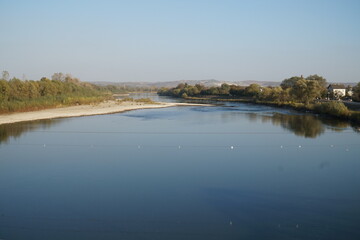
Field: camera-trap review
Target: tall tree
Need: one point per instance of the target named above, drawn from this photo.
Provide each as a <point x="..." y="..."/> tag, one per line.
<point x="4" y="90"/>
<point x="17" y="89"/>
<point x="58" y="77"/>
<point x="224" y="89"/>
<point x="32" y="89"/>
<point x="322" y="81"/>
<point x="306" y="90"/>
<point x="5" y="76"/>
<point x="290" y="82"/>
<point x="253" y="90"/>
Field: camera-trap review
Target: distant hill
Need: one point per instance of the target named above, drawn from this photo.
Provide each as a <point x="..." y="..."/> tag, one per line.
<point x="170" y="84"/>
<point x="352" y="84"/>
<point x="207" y="83"/>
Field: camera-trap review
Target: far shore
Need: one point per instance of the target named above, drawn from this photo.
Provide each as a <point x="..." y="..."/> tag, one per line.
<point x="107" y="107"/>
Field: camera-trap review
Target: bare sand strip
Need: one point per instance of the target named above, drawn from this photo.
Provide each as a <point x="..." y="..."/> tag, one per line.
<point x="107" y="107"/>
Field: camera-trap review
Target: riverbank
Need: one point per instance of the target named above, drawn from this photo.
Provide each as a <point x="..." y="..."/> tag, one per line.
<point x="332" y="109"/>
<point x="106" y="107"/>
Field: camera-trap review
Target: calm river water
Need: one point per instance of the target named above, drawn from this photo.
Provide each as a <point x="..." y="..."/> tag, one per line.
<point x="237" y="171"/>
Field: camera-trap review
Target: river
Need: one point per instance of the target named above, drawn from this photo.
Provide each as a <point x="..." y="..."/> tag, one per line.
<point x="236" y="171"/>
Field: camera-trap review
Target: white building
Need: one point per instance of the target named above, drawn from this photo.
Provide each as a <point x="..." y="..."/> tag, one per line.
<point x="337" y="90"/>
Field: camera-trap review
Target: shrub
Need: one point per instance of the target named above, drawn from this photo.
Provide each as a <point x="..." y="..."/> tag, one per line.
<point x="184" y="95"/>
<point x="337" y="109"/>
<point x="139" y="100"/>
<point x="144" y="100"/>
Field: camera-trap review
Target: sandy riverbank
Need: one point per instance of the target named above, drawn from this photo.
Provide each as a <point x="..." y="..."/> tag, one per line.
<point x="107" y="107"/>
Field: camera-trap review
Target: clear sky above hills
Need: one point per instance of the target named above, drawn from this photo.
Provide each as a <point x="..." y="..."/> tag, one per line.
<point x="153" y="40"/>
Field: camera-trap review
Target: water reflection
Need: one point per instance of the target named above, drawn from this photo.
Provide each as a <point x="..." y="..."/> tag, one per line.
<point x="15" y="130"/>
<point x="334" y="124"/>
<point x="356" y="128"/>
<point x="97" y="180"/>
<point x="308" y="126"/>
<point x="304" y="125"/>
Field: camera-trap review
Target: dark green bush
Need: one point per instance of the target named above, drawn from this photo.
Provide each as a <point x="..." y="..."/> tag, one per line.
<point x="337" y="109"/>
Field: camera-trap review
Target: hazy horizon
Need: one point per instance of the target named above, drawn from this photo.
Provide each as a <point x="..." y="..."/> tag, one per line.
<point x="154" y="41"/>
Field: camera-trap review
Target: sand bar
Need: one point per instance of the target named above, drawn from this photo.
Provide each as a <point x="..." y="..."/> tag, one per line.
<point x="107" y="107"/>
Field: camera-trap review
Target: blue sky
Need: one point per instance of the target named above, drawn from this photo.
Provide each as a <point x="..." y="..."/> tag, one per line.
<point x="153" y="40"/>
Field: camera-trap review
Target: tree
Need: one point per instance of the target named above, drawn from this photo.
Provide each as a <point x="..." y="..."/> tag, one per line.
<point x="213" y="91"/>
<point x="47" y="87"/>
<point x="306" y="90"/>
<point x="277" y="94"/>
<point x="322" y="81"/>
<point x="71" y="79"/>
<point x="290" y="82"/>
<point x="199" y="87"/>
<point x="356" y="93"/>
<point x="4" y="90"/>
<point x="176" y="92"/>
<point x="266" y="94"/>
<point x="5" y="76"/>
<point x="17" y="89"/>
<point x="58" y="77"/>
<point x="253" y="90"/>
<point x="181" y="85"/>
<point x="349" y="91"/>
<point x="191" y="90"/>
<point x="236" y="90"/>
<point x="184" y="95"/>
<point x="32" y="89"/>
<point x="224" y="89"/>
<point x="314" y="90"/>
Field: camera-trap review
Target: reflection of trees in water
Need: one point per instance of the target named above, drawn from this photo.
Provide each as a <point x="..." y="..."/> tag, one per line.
<point x="302" y="125"/>
<point x="15" y="130"/>
<point x="308" y="126"/>
<point x="356" y="128"/>
<point x="334" y="124"/>
<point x="305" y="125"/>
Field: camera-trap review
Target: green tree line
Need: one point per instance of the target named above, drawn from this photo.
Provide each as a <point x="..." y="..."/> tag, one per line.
<point x="298" y="92"/>
<point x="295" y="89"/>
<point x="120" y="89"/>
<point x="25" y="95"/>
